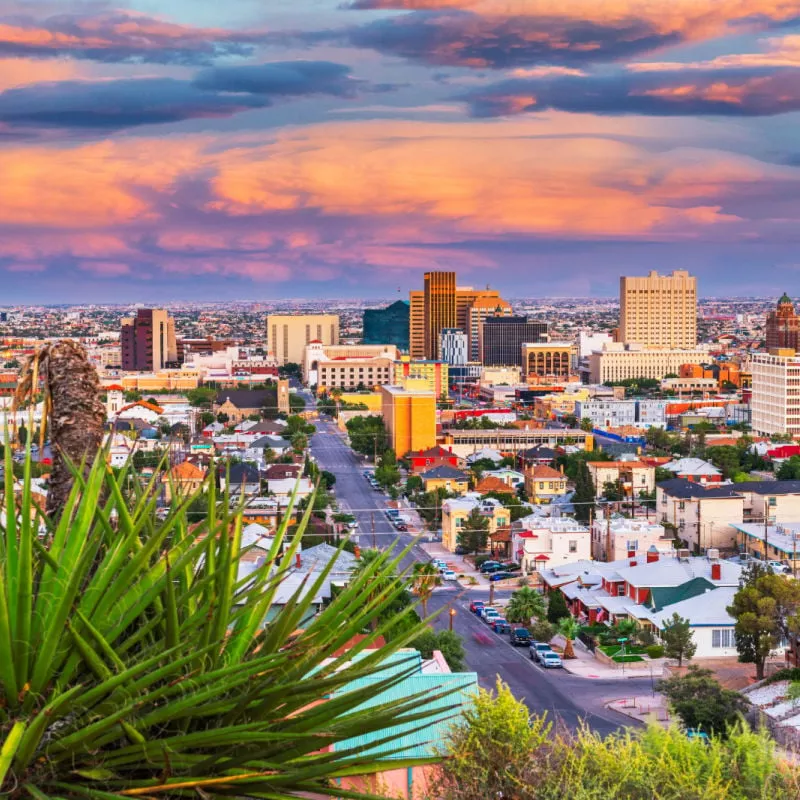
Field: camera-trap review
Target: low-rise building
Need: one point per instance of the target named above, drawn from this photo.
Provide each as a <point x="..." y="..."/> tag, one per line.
<point x="422" y="460"/>
<point x="445" y="477"/>
<point x="632" y="477"/>
<point x="544" y="484"/>
<point x="455" y="513"/>
<point x="348" y="366"/>
<point x="239" y="404"/>
<point x="694" y="469"/>
<point x="182" y="480"/>
<point x="410" y="418"/>
<point x="625" y="361"/>
<point x="555" y="540"/>
<point x="240" y="479"/>
<point x="615" y="537"/>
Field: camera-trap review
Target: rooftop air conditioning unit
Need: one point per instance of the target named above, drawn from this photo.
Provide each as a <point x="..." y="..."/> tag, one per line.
<point x="683" y="555"/>
<point x="712" y="554"/>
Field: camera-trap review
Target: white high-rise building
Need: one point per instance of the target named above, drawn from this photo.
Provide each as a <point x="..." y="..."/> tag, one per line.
<point x="775" y="402"/>
<point x="454" y="346"/>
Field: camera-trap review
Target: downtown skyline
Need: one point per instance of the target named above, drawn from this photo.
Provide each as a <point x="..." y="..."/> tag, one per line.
<point x="320" y="148"/>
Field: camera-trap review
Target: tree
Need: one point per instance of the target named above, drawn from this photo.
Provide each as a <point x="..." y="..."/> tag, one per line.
<point x="201" y="397"/>
<point x="269" y="455"/>
<point x="766" y="611"/>
<point x="22" y="435"/>
<point x="701" y="702"/>
<point x="525" y="604"/>
<point x="425" y="578"/>
<point x="299" y="442"/>
<point x="414" y="484"/>
<point x="569" y="629"/>
<point x="475" y="533"/>
<point x="678" y="639"/>
<point x="327" y="478"/>
<point x="726" y="458"/>
<point x="584" y="497"/>
<point x="556" y="607"/>
<point x="223" y="418"/>
<point x="587" y="424"/>
<point x="789" y="470"/>
<point x="542" y="630"/>
<point x="387" y="473"/>
<point x="291" y="370"/>
<point x="612" y="491"/>
<point x="206" y="418"/>
<point x="367" y="435"/>
<point x="448" y="643"/>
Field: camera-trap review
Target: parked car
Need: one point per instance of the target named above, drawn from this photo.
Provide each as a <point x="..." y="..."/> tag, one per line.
<point x="501" y="625"/>
<point x="461" y="550"/>
<point x="482" y="609"/>
<point x="780" y="567"/>
<point x="537" y="648"/>
<point x="549" y="659"/>
<point x="490" y="565"/>
<point x="500" y="576"/>
<point x="401" y="526"/>
<point x="449" y="575"/>
<point x="520" y="637"/>
<point x="489" y="615"/>
<point x="438" y="563"/>
<point x="475" y="605"/>
<point x="492" y="569"/>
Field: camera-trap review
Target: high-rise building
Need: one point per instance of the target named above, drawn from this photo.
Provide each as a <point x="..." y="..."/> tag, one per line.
<point x="454" y="346"/>
<point x="288" y="334"/>
<point x="410" y="418"/>
<point x="440" y="308"/>
<point x="501" y="339"/>
<point x="148" y="341"/>
<point x="659" y="310"/>
<point x="416" y="324"/>
<point x="783" y="326"/>
<point x="388" y="325"/>
<point x="775" y="402"/>
<point x="481" y="309"/>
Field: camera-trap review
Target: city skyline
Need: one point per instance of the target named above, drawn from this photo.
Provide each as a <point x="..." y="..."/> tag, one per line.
<point x="203" y="152"/>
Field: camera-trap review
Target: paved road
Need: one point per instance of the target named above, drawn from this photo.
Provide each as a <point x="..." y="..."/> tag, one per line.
<point x="565" y="697"/>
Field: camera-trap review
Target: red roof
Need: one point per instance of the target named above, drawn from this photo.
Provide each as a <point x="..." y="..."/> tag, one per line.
<point x="115" y="387"/>
<point x="542" y="557"/>
<point x="527" y="535"/>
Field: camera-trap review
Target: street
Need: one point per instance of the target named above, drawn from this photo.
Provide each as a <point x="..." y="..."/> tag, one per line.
<point x="567" y="699"/>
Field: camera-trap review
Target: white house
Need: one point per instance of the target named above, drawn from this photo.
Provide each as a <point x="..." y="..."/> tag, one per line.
<point x="283" y="487"/>
<point x="557" y="540"/>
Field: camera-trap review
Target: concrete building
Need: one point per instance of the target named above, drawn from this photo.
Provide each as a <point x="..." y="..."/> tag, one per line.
<point x="455" y="513"/>
<point x="454" y="346"/>
<point x="616" y="537"/>
<point x="544" y="484"/>
<point x="432" y="374"/>
<point x="388" y="325"/>
<point x="633" y="477"/>
<point x="553" y="541"/>
<point x="619" y="362"/>
<point x="588" y="342"/>
<point x="440" y="309"/>
<point x="783" y="326"/>
<point x="416" y="324"/>
<point x="775" y="400"/>
<point x="485" y="304"/>
<point x="514" y="440"/>
<point x="348" y="366"/>
<point x="659" y="310"/>
<point x="501" y="339"/>
<point x="616" y="413"/>
<point x="148" y="342"/>
<point x="288" y="334"/>
<point x="548" y="359"/>
<point x="410" y="418"/>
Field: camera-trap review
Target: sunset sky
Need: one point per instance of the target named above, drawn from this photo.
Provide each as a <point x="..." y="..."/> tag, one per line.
<point x="262" y="149"/>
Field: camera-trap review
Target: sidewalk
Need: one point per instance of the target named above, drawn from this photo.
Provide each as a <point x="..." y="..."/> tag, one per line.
<point x="585" y="665"/>
<point x="644" y="708"/>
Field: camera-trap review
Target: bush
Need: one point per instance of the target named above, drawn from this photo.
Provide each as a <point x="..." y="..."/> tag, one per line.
<point x="542" y="631"/>
<point x="627" y="659"/>
<point x="789" y="674"/>
<point x="655" y="651"/>
<point x="480" y="560"/>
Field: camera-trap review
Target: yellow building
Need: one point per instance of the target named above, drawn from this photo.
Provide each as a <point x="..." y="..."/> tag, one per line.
<point x="544" y="484"/>
<point x="433" y="375"/>
<point x="372" y="400"/>
<point x="183" y="480"/>
<point x="288" y="334"/>
<point x="172" y="379"/>
<point x="548" y="359"/>
<point x="445" y="477"/>
<point x="455" y="514"/>
<point x="410" y="418"/>
<point x="440" y="308"/>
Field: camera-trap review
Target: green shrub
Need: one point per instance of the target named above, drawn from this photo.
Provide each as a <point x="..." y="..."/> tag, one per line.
<point x="627" y="659"/>
<point x="655" y="651"/>
<point x="788" y="674"/>
<point x="480" y="560"/>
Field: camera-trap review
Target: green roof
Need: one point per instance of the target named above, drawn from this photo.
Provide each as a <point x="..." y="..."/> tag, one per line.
<point x="784" y="299"/>
<point x="662" y="596"/>
<point x="417" y="738"/>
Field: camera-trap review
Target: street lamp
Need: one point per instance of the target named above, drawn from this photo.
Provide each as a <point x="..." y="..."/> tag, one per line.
<point x="452" y="617"/>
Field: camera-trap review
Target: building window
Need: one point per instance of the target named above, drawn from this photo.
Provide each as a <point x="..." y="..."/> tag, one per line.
<point x="633" y="544"/>
<point x="573" y="545"/>
<point x="723" y="637"/>
<point x="621" y="590"/>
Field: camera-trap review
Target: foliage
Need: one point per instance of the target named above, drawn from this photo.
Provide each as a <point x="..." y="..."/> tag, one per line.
<point x="584" y="497"/>
<point x="290" y="370"/>
<point x="663" y="475"/>
<point x="786" y="674"/>
<point x="569" y="629"/>
<point x="556" y="607"/>
<point x="766" y="609"/>
<point x="475" y="533"/>
<point x="572" y="462"/>
<point x="299" y="442"/>
<point x="524" y="605"/>
<point x="414" y="484"/>
<point x="327" y="478"/>
<point x="655" y="651"/>
<point x="387" y="473"/>
<point x="702" y="702"/>
<point x="448" y="643"/>
<point x="789" y="470"/>
<point x="678" y="639"/>
<point x="201" y="397"/>
<point x="133" y="661"/>
<point x="479" y="561"/>
<point x="542" y="630"/>
<point x="367" y="435"/>
<point x="612" y="491"/>
<point x="425" y="578"/>
<point x="296" y="403"/>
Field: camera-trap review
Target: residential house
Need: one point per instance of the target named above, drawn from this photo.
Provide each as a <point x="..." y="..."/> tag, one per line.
<point x="633" y="477"/>
<point x="422" y="460"/>
<point x="489" y="483"/>
<point x="544" y="484"/>
<point x="281" y="471"/>
<point x="511" y="477"/>
<point x="485" y="453"/>
<point x="456" y="511"/>
<point x="182" y="480"/>
<point x="778" y="542"/>
<point x="282" y="488"/>
<point x="541" y="454"/>
<point x="445" y="477"/>
<point x="694" y="469"/>
<point x="616" y="537"/>
<point x="557" y="540"/>
<point x="243" y="479"/>
<point x="239" y="404"/>
<point x="255" y="449"/>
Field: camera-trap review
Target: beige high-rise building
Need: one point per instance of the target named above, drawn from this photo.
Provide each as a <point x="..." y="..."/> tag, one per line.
<point x="440" y="309"/>
<point x="775" y="401"/>
<point x="659" y="310"/>
<point x="288" y="334"/>
<point x="416" y="324"/>
<point x="148" y="341"/>
<point x="487" y="304"/>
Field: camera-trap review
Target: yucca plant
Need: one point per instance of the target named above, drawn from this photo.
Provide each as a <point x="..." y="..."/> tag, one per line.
<point x="135" y="662"/>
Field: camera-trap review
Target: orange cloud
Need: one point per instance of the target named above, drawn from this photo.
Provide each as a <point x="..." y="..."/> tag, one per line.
<point x="16" y="72"/>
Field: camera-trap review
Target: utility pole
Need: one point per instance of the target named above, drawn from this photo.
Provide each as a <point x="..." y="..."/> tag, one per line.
<point x="374" y="542"/>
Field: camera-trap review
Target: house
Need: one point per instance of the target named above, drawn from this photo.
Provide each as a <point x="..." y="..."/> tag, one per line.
<point x="422" y="460"/>
<point x="437" y="689"/>
<point x="694" y="469"/>
<point x="511" y="477"/>
<point x="489" y="484"/>
<point x="557" y="540"/>
<point x="283" y="488"/>
<point x="633" y="477"/>
<point x="445" y="477"/>
<point x="243" y="479"/>
<point x="544" y="484"/>
<point x="255" y="449"/>
<point x="182" y="480"/>
<point x="276" y="472"/>
<point x="615" y="537"/>
<point x="485" y="454"/>
<point x="238" y="404"/>
<point x="781" y="541"/>
<point x="456" y="511"/>
<point x="540" y="454"/>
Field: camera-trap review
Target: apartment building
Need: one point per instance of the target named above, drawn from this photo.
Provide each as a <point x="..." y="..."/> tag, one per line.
<point x="633" y="477"/>
<point x="619" y="362"/>
<point x="348" y="366"/>
<point x="148" y="342"/>
<point x="775" y="400"/>
<point x="616" y="537"/>
<point x="552" y="541"/>
<point x="288" y="334"/>
<point x="410" y="418"/>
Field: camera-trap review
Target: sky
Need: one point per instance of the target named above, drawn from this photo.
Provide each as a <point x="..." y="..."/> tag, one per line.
<point x="202" y="150"/>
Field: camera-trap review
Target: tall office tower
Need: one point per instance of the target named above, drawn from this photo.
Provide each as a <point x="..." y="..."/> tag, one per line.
<point x="480" y="310"/>
<point x="774" y="403"/>
<point x="388" y="325"/>
<point x="416" y="324"/>
<point x="502" y="339"/>
<point x="659" y="310"/>
<point x="148" y="341"/>
<point x="783" y="326"/>
<point x="454" y="346"/>
<point x="288" y="334"/>
<point x="440" y="308"/>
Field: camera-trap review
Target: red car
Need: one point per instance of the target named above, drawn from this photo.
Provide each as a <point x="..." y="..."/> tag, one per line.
<point x="475" y="605"/>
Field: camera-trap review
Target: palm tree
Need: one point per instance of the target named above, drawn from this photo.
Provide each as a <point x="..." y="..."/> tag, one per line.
<point x="425" y="578"/>
<point x="71" y="406"/>
<point x="136" y="661"/>
<point x="525" y="604"/>
<point x="626" y="629"/>
<point x="569" y="628"/>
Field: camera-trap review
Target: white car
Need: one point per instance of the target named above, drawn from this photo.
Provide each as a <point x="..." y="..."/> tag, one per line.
<point x="449" y="575"/>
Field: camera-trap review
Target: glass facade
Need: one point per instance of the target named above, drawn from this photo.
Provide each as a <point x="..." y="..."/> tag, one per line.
<point x="388" y="325"/>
